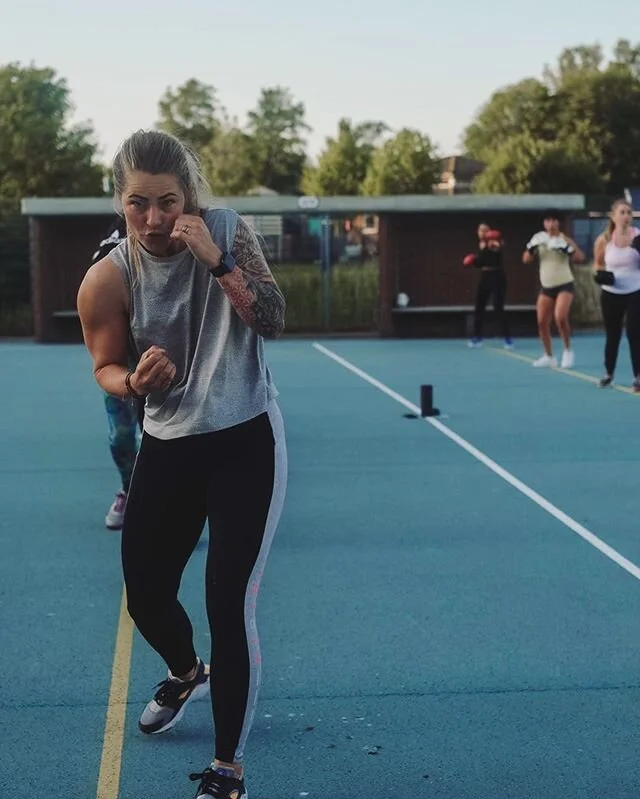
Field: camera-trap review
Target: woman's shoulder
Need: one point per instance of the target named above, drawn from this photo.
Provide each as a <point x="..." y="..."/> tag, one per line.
<point x="103" y="285"/>
<point x="213" y="216"/>
<point x="223" y="224"/>
<point x="541" y="237"/>
<point x="120" y="253"/>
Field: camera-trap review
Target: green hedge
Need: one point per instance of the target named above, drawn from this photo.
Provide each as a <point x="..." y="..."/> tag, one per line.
<point x="352" y="300"/>
<point x="585" y="311"/>
<point x="15" y="300"/>
<point x="16" y="322"/>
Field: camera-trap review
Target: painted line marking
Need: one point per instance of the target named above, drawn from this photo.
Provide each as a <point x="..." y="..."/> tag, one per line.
<point x="570" y="372"/>
<point x="538" y="499"/>
<point x="112" y="745"/>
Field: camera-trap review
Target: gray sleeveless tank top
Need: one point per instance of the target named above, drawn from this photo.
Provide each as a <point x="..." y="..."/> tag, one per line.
<point x="221" y="376"/>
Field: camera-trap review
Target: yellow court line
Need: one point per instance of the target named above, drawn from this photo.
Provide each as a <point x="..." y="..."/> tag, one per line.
<point x="111" y="760"/>
<point x="570" y="372"/>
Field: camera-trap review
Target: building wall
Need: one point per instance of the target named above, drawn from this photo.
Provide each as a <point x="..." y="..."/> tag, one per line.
<point x="421" y="255"/>
<point x="61" y="250"/>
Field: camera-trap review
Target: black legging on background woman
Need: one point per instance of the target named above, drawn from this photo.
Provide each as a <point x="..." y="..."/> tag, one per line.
<point x="617" y="258"/>
<point x="492" y="284"/>
<point x="615" y="308"/>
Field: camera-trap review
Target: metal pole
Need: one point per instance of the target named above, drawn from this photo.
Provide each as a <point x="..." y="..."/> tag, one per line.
<point x="326" y="271"/>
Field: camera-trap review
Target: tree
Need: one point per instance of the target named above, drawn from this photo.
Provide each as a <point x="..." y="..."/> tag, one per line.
<point x="526" y="107"/>
<point x="526" y="165"/>
<point x="574" y="61"/>
<point x="276" y="128"/>
<point x="40" y="153"/>
<point x="406" y="164"/>
<point x="342" y="166"/>
<point x="627" y="55"/>
<point x="600" y="113"/>
<point x="588" y="108"/>
<point x="190" y="112"/>
<point x="227" y="161"/>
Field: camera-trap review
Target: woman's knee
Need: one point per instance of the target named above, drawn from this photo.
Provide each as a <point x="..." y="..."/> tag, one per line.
<point x="633" y="317"/>
<point x="145" y="601"/>
<point x="633" y="329"/>
<point x="544" y="321"/>
<point x="562" y="321"/>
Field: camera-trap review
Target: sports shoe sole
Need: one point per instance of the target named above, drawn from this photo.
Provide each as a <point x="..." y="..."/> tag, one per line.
<point x="199" y="692"/>
<point x="245" y="795"/>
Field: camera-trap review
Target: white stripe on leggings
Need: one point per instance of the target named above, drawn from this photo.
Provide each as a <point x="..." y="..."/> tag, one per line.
<point x="253" y="586"/>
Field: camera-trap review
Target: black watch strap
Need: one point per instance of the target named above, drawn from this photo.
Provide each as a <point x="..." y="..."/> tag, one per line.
<point x="226" y="265"/>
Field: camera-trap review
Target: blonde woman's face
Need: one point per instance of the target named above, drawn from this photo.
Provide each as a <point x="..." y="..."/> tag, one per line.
<point x="151" y="204"/>
<point x="621" y="215"/>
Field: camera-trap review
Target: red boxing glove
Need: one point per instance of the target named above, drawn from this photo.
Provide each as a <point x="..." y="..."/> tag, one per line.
<point x="493" y="235"/>
<point x="469" y="260"/>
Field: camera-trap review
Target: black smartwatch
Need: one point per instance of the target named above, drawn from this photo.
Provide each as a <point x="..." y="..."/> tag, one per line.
<point x="227" y="264"/>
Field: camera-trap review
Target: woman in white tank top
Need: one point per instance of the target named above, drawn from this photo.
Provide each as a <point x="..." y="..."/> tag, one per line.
<point x="617" y="264"/>
<point x="555" y="251"/>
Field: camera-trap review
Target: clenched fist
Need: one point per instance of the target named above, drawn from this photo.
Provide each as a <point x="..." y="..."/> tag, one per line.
<point x="155" y="372"/>
<point x="193" y="231"/>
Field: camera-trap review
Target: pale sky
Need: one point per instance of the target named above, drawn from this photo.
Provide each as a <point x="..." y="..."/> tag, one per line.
<point x="410" y="63"/>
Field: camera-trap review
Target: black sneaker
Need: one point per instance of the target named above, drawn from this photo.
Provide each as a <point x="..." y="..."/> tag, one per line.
<point x="214" y="785"/>
<point x="171" y="699"/>
<point x="606" y="381"/>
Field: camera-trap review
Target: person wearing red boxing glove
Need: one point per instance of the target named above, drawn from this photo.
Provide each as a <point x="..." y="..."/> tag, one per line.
<point x="492" y="284"/>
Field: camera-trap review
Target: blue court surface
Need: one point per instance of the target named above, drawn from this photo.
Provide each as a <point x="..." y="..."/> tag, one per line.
<point x="450" y="609"/>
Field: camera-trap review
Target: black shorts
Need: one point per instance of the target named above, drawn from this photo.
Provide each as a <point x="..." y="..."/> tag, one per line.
<point x="556" y="290"/>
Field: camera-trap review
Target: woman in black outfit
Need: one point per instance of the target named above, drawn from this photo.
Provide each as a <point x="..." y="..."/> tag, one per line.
<point x="493" y="282"/>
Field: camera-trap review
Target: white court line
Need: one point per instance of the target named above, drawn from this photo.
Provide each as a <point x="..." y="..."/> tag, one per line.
<point x="561" y="516"/>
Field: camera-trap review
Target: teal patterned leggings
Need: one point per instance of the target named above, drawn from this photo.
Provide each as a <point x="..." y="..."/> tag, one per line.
<point x="124" y="436"/>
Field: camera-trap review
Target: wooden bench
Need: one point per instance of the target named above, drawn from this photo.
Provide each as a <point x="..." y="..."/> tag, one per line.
<point x="457" y="308"/>
<point x="66" y="326"/>
<point x="457" y="320"/>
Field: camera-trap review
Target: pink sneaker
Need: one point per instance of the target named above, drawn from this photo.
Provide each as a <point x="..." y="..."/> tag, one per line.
<point x="115" y="515"/>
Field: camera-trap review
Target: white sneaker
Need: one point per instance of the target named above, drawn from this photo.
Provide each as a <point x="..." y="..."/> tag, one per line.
<point x="115" y="515"/>
<point x="568" y="359"/>
<point x="546" y="361"/>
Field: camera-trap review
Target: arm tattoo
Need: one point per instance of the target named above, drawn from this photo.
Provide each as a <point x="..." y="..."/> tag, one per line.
<point x="251" y="288"/>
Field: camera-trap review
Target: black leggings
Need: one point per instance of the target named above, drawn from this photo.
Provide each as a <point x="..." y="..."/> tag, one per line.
<point x="614" y="309"/>
<point x="236" y="479"/>
<point x="492" y="282"/>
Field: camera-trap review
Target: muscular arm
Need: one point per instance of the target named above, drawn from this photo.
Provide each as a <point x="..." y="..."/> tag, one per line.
<point x="102" y="310"/>
<point x="251" y="288"/>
